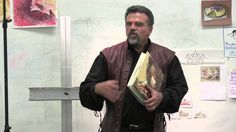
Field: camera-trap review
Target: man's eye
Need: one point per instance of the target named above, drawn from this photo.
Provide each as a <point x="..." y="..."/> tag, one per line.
<point x="139" y="24"/>
<point x="128" y="24"/>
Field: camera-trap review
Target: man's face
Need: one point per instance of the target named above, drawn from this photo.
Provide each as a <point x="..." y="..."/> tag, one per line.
<point x="137" y="29"/>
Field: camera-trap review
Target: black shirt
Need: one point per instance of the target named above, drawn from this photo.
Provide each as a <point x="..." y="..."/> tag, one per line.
<point x="133" y="111"/>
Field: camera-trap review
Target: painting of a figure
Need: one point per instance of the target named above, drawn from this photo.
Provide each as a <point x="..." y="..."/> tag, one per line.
<point x="35" y="13"/>
<point x="7" y="2"/>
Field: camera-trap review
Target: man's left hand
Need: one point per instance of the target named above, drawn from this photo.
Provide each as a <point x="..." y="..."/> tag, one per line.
<point x="154" y="101"/>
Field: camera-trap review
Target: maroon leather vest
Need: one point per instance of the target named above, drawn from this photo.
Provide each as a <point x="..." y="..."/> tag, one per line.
<point x="119" y="60"/>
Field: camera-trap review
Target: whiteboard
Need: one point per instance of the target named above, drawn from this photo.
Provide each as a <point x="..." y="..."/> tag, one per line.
<point x="34" y="60"/>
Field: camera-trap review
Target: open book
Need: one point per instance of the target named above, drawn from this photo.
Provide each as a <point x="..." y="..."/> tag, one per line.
<point x="146" y="73"/>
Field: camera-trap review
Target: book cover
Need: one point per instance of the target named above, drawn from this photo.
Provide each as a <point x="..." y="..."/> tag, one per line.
<point x="146" y="73"/>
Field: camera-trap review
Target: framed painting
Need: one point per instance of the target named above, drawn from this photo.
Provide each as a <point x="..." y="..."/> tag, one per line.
<point x="216" y="12"/>
<point x="35" y="13"/>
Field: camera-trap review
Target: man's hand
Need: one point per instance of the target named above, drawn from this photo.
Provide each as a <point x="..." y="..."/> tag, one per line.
<point x="154" y="101"/>
<point x="108" y="89"/>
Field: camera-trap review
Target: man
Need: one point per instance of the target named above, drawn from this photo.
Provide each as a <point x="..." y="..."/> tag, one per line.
<point x="111" y="70"/>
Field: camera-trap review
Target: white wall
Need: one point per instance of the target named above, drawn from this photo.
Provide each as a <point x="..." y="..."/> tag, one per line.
<point x="34" y="60"/>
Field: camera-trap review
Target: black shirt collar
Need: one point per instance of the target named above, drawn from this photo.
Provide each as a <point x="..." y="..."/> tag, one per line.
<point x="146" y="47"/>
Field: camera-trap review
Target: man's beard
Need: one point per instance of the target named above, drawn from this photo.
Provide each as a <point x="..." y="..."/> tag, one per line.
<point x="133" y="40"/>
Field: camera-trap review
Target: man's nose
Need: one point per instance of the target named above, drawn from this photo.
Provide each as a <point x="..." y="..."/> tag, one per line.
<point x="133" y="26"/>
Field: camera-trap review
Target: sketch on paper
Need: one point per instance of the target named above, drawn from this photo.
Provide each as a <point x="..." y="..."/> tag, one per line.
<point x="198" y="57"/>
<point x="7" y="10"/>
<point x="213" y="79"/>
<point x="35" y="13"/>
<point x="210" y="73"/>
<point x="199" y="114"/>
<point x="229" y="37"/>
<point x="232" y="34"/>
<point x="195" y="58"/>
<point x="186" y="103"/>
<point x="185" y="113"/>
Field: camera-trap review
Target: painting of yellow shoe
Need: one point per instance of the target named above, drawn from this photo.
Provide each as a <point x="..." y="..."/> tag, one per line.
<point x="215" y="11"/>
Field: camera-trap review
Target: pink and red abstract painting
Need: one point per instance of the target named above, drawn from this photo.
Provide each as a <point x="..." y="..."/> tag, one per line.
<point x="35" y="13"/>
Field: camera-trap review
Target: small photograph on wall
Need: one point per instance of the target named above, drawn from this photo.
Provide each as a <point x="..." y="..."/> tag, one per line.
<point x="216" y="12"/>
<point x="210" y="73"/>
<point x="35" y="13"/>
<point x="185" y="113"/>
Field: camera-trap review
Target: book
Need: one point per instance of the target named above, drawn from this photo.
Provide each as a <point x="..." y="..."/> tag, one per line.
<point x="145" y="73"/>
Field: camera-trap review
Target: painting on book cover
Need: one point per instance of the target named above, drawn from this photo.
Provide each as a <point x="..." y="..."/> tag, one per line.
<point x="151" y="75"/>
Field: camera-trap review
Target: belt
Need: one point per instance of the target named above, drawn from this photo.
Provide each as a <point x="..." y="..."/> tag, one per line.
<point x="137" y="126"/>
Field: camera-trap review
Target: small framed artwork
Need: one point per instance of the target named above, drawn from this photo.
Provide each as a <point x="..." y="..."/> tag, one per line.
<point x="216" y="12"/>
<point x="210" y="73"/>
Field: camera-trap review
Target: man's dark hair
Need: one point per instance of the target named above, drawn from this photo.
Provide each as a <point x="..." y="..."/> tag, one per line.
<point x="141" y="9"/>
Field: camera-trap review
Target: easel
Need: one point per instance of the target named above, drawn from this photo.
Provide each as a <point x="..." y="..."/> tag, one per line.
<point x="4" y="25"/>
<point x="65" y="93"/>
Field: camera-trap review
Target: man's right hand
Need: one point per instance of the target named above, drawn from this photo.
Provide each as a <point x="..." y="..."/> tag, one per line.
<point x="108" y="89"/>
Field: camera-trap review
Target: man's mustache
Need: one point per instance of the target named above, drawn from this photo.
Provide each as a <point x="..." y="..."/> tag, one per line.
<point x="132" y="33"/>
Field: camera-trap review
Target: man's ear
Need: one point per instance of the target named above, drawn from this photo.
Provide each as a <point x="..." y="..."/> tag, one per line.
<point x="150" y="28"/>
